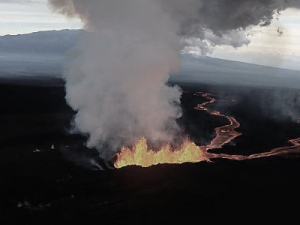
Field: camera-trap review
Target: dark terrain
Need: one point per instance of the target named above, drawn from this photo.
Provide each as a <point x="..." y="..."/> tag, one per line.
<point x="48" y="176"/>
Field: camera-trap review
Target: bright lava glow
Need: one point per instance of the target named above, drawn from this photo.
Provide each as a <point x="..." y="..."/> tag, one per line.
<point x="142" y="156"/>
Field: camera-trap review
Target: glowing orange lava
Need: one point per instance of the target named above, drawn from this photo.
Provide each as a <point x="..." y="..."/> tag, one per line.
<point x="142" y="156"/>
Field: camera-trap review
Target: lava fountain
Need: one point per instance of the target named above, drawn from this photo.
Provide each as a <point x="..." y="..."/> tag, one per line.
<point x="141" y="155"/>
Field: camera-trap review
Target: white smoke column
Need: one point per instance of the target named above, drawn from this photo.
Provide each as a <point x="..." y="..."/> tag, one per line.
<point x="116" y="76"/>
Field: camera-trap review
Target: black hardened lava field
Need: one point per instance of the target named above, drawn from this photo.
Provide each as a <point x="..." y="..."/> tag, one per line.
<point x="49" y="176"/>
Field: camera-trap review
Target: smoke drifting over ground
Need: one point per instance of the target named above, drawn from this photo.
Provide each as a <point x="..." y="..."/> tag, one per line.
<point x="116" y="75"/>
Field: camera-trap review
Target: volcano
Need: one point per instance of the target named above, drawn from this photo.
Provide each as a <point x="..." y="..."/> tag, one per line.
<point x="47" y="175"/>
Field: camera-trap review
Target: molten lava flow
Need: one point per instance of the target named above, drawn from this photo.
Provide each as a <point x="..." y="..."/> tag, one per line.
<point x="295" y="148"/>
<point x="225" y="133"/>
<point x="142" y="156"/>
<point x="189" y="152"/>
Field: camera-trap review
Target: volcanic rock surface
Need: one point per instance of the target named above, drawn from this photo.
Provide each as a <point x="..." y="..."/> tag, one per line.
<point x="48" y="176"/>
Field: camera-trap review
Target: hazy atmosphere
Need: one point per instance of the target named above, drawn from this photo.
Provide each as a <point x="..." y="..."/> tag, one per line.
<point x="149" y="111"/>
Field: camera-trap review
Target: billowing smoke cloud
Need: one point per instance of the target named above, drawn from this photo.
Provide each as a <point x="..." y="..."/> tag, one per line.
<point x="116" y="76"/>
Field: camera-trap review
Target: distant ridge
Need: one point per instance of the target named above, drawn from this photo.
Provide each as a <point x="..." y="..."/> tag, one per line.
<point x="41" y="42"/>
<point x="219" y="71"/>
<point x="42" y="54"/>
<point x="36" y="54"/>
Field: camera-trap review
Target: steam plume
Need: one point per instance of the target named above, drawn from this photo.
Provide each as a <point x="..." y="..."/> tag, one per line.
<point x="116" y="75"/>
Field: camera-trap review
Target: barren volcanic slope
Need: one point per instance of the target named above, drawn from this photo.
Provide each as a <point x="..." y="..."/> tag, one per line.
<point x="48" y="176"/>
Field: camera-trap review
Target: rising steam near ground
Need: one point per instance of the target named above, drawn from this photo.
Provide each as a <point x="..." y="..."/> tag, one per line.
<point x="116" y="75"/>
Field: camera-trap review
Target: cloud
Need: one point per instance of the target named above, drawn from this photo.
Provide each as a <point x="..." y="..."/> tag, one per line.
<point x="219" y="22"/>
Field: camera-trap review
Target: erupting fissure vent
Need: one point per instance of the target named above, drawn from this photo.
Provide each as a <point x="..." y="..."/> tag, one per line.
<point x="189" y="152"/>
<point x="142" y="156"/>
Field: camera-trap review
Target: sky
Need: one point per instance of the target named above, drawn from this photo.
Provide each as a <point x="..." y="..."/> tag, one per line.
<point x="267" y="47"/>
<point x="27" y="16"/>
